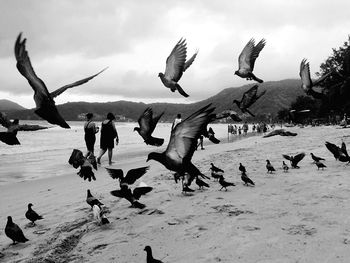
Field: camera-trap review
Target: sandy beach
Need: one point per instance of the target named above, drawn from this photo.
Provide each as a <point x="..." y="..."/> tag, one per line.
<point x="299" y="216"/>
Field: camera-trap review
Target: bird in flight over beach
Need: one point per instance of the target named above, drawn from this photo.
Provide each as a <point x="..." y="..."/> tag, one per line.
<point x="176" y="65"/>
<point x="10" y="136"/>
<point x="77" y="159"/>
<point x="44" y="101"/>
<point x="130" y="178"/>
<point x="14" y="232"/>
<point x="147" y="125"/>
<point x="248" y="99"/>
<point x="294" y="160"/>
<point x="31" y="215"/>
<point x="182" y="144"/>
<point x="246" y="60"/>
<point x="307" y="84"/>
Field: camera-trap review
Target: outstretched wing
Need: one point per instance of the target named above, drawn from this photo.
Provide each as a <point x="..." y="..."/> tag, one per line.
<point x="304" y="74"/>
<point x="77" y="83"/>
<point x="249" y="96"/>
<point x="135" y="174"/>
<point x="155" y="121"/>
<point x="190" y="61"/>
<point x="24" y="66"/>
<point x="244" y="59"/>
<point x="297" y="158"/>
<point x="115" y="173"/>
<point x="256" y="51"/>
<point x="287" y="157"/>
<point x="139" y="191"/>
<point x="183" y="138"/>
<point x="175" y="63"/>
<point x="145" y="122"/>
<point x="4" y="120"/>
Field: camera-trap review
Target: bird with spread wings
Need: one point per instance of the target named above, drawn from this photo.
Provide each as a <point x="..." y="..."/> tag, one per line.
<point x="248" y="99"/>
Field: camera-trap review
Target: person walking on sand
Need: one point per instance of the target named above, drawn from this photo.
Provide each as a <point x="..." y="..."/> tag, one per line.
<point x="108" y="134"/>
<point x="176" y="121"/>
<point x="90" y="130"/>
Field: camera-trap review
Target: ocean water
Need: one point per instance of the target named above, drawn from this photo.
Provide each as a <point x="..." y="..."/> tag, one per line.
<point x="45" y="153"/>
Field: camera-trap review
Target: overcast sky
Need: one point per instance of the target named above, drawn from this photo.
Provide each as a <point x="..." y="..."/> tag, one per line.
<point x="69" y="40"/>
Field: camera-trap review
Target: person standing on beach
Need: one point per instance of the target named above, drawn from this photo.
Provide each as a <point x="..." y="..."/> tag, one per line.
<point x="176" y="121"/>
<point x="245" y="128"/>
<point x="90" y="130"/>
<point x="108" y="134"/>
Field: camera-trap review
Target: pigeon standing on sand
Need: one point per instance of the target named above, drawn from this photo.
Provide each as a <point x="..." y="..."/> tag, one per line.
<point x="32" y="215"/>
<point x="269" y="167"/>
<point x="147" y="125"/>
<point x="224" y="184"/>
<point x="176" y="65"/>
<point x="246" y="60"/>
<point x="215" y="169"/>
<point x="320" y="165"/>
<point x="294" y="160"/>
<point x="201" y="183"/>
<point x="14" y="232"/>
<point x="316" y="158"/>
<point x="91" y="200"/>
<point x="44" y="101"/>
<point x="99" y="215"/>
<point x="182" y="145"/>
<point x="150" y="258"/>
<point x="246" y="179"/>
<point x="285" y="167"/>
<point x="248" y="99"/>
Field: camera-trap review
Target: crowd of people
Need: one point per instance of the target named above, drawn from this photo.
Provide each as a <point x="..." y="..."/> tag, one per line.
<point x="243" y="129"/>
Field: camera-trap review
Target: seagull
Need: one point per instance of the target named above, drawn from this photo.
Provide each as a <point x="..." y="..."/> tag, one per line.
<point x="77" y="159"/>
<point x="129" y="179"/>
<point x="307" y="84"/>
<point x="269" y="167"/>
<point x="320" y="165"/>
<point x="242" y="168"/>
<point x="247" y="59"/>
<point x="32" y="215"/>
<point x="150" y="258"/>
<point x="10" y="136"/>
<point x="294" y="160"/>
<point x="14" y="232"/>
<point x="91" y="200"/>
<point x="147" y="125"/>
<point x="248" y="99"/>
<point x="44" y="101"/>
<point x="215" y="169"/>
<point x="176" y="64"/>
<point x="224" y="184"/>
<point x="285" y="167"/>
<point x="182" y="144"/>
<point x="315" y="158"/>
<point x="246" y="179"/>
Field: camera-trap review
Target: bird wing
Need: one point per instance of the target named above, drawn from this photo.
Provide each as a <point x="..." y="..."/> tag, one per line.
<point x="321" y="79"/>
<point x="333" y="148"/>
<point x="4" y="120"/>
<point x="24" y="66"/>
<point x="145" y="122"/>
<point x="190" y="61"/>
<point x="175" y="63"/>
<point x="139" y="191"/>
<point x="76" y="159"/>
<point x="155" y="121"/>
<point x="287" y="157"/>
<point x="134" y="174"/>
<point x="249" y="96"/>
<point x="304" y="74"/>
<point x="77" y="83"/>
<point x="244" y="59"/>
<point x="343" y="148"/>
<point x="28" y="127"/>
<point x="115" y="173"/>
<point x="256" y="51"/>
<point x="183" y="138"/>
<point x="297" y="158"/>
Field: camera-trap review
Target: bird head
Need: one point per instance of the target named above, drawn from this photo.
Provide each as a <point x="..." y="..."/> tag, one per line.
<point x="30" y="205"/>
<point x="9" y="219"/>
<point x="147" y="248"/>
<point x="154" y="156"/>
<point x="236" y="72"/>
<point x="267" y="161"/>
<point x="160" y="74"/>
<point x="236" y="102"/>
<point x="89" y="193"/>
<point x="137" y="129"/>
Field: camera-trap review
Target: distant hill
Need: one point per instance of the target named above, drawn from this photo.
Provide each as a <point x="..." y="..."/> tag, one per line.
<point x="279" y="95"/>
<point x="7" y="105"/>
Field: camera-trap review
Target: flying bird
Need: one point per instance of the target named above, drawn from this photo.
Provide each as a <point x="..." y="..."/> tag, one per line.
<point x="285" y="167"/>
<point x="228" y="113"/>
<point x="147" y="125"/>
<point x="246" y="60"/>
<point x="176" y="65"/>
<point x="215" y="169"/>
<point x="10" y="136"/>
<point x="246" y="179"/>
<point x="316" y="158"/>
<point x="91" y="200"/>
<point x="224" y="184"/>
<point x="281" y="132"/>
<point x="150" y="258"/>
<point x="44" y="101"/>
<point x="31" y="215"/>
<point x="269" y="167"/>
<point x="14" y="232"/>
<point x="294" y="160"/>
<point x="307" y="84"/>
<point x="339" y="153"/>
<point x="182" y="144"/>
<point x="129" y="179"/>
<point x="77" y="159"/>
<point x="248" y="99"/>
<point x="320" y="165"/>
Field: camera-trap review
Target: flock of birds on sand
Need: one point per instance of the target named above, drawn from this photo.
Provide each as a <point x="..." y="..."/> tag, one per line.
<point x="183" y="138"/>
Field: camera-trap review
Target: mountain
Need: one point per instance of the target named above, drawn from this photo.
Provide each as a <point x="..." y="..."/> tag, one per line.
<point x="279" y="95"/>
<point x="7" y="105"/>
